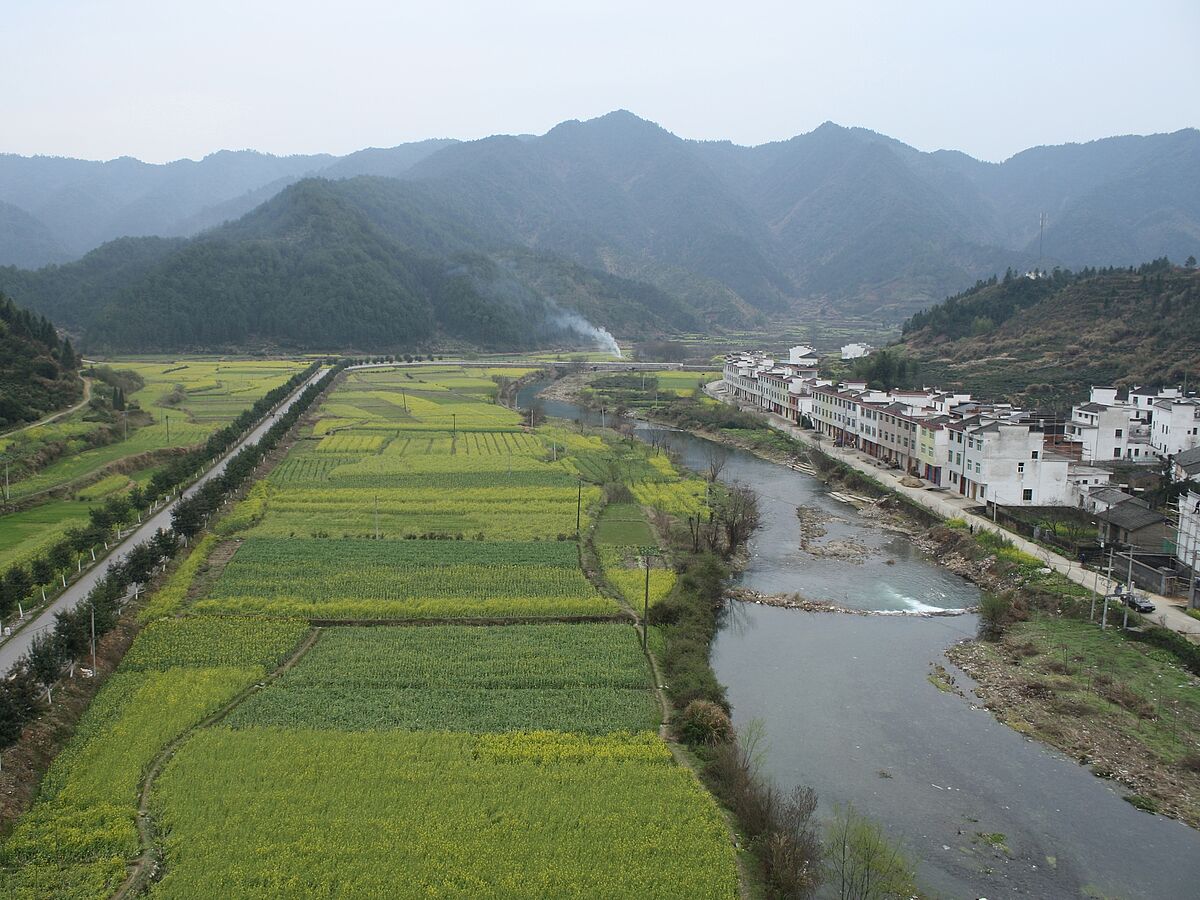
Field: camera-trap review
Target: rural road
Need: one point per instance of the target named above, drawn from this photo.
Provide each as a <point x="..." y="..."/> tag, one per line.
<point x="1167" y="612"/>
<point x="16" y="646"/>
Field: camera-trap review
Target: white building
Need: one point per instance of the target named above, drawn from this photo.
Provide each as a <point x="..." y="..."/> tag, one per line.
<point x="803" y="356"/>
<point x="992" y="453"/>
<point x="1175" y="426"/>
<point x="1110" y="427"/>
<point x="856" y="350"/>
<point x="1006" y="463"/>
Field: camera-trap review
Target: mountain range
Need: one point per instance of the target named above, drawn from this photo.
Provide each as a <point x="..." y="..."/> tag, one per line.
<point x="614" y="217"/>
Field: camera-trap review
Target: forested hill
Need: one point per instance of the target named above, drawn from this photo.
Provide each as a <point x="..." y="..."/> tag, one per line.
<point x="37" y="370"/>
<point x="1048" y="338"/>
<point x="367" y="263"/>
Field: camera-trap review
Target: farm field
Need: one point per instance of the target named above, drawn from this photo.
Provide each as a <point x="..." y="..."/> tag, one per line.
<point x="75" y="840"/>
<point x="302" y="813"/>
<point x="514" y="753"/>
<point x="367" y="579"/>
<point x="579" y="678"/>
<point x="622" y="534"/>
<point x="26" y="533"/>
<point x="198" y="396"/>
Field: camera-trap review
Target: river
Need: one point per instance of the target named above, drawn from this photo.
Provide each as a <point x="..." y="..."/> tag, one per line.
<point x="847" y="707"/>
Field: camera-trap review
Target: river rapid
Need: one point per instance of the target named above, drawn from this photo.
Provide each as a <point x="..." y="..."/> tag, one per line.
<point x="847" y="707"/>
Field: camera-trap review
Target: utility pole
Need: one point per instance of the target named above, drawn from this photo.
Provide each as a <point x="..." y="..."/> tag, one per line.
<point x="578" y="507"/>
<point x="167" y="420"/>
<point x="125" y="423"/>
<point x="6" y="480"/>
<point x="93" y="640"/>
<point x="646" y="606"/>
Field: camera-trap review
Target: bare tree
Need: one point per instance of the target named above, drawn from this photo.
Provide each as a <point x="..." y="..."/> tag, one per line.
<point x="715" y="462"/>
<point x="737" y="514"/>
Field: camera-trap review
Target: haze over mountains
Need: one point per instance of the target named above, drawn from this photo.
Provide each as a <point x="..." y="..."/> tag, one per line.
<point x="614" y="217"/>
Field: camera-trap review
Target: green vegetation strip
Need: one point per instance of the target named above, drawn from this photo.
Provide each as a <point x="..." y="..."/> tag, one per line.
<point x="584" y="678"/>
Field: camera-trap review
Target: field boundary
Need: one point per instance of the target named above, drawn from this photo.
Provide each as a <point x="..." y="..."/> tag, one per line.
<point x="148" y="866"/>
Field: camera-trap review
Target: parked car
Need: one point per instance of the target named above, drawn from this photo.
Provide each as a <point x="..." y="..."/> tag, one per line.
<point x="1136" y="602"/>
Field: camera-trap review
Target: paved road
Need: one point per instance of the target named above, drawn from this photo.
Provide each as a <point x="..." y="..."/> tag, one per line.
<point x="16" y="646"/>
<point x="1168" y="611"/>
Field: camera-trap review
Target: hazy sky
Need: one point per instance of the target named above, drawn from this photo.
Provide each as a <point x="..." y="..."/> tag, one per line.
<point x="163" y="79"/>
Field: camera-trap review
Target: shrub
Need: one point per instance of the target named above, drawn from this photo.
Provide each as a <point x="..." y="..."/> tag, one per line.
<point x="995" y="615"/>
<point x="778" y="825"/>
<point x="704" y="722"/>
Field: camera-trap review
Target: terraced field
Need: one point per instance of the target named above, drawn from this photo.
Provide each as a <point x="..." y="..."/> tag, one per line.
<point x="516" y="758"/>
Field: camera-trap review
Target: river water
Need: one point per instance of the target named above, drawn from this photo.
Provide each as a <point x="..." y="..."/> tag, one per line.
<point x="846" y="707"/>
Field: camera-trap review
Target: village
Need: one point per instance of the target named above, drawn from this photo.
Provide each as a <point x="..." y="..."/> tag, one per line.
<point x="1120" y="473"/>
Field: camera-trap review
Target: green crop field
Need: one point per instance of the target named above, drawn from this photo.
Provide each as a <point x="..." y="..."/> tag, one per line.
<point x="309" y="813"/>
<point x="27" y="533"/>
<point x="369" y="579"/>
<point x="584" y="678"/>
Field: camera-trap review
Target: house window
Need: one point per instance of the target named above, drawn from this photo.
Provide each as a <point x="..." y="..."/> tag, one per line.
<point x="1033" y="455"/>
<point x="1027" y="495"/>
<point x="1119" y="433"/>
<point x="1020" y="468"/>
<point x="1117" y="452"/>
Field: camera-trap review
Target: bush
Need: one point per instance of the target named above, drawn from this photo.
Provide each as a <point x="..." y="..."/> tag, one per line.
<point x="689" y="617"/>
<point x="995" y="615"/>
<point x="704" y="722"/>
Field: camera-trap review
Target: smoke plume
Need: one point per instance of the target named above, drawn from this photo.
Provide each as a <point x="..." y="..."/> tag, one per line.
<point x="577" y="324"/>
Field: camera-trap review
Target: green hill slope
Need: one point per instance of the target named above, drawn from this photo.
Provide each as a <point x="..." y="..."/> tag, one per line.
<point x="1049" y="338"/>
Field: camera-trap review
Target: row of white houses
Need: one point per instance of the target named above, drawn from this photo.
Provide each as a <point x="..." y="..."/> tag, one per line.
<point x="994" y="453"/>
<point x="991" y="453"/>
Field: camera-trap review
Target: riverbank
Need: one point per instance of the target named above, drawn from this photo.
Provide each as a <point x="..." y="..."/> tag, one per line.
<point x="1140" y="734"/>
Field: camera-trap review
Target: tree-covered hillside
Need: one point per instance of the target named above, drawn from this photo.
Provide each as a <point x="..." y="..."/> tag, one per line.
<point x="367" y="263"/>
<point x="1048" y="338"/>
<point x="37" y="370"/>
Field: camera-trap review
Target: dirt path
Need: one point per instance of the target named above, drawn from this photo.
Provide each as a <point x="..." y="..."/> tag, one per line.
<point x="53" y="417"/>
<point x="147" y="866"/>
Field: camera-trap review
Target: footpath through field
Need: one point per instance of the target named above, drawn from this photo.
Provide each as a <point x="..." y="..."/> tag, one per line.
<point x="18" y="644"/>
<point x="1167" y="611"/>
